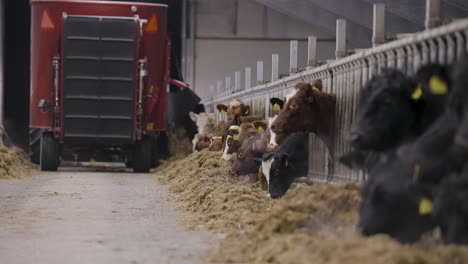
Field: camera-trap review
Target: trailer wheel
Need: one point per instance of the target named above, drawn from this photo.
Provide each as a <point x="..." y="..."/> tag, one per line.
<point x="34" y="145"/>
<point x="49" y="152"/>
<point x="142" y="155"/>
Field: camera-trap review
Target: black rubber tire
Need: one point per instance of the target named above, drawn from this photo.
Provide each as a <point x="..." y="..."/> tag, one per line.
<point x="142" y="155"/>
<point x="34" y="145"/>
<point x="49" y="153"/>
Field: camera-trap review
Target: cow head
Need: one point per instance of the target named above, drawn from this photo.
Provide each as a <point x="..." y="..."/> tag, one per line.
<point x="276" y="104"/>
<point x="201" y="142"/>
<point x="309" y="110"/>
<point x="275" y="169"/>
<point x="386" y="111"/>
<point x="451" y="209"/>
<point x="232" y="143"/>
<point x="392" y="204"/>
<point x="235" y="109"/>
<point x="248" y="157"/>
<point x="216" y="144"/>
<point x="204" y="121"/>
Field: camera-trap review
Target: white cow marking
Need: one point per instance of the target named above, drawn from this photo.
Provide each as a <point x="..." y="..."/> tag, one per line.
<point x="235" y="102"/>
<point x="272" y="142"/>
<point x="227" y="156"/>
<point x="266" y="166"/>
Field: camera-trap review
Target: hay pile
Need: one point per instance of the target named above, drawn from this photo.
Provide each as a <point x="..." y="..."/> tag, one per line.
<point x="310" y="224"/>
<point x="14" y="163"/>
<point x="179" y="144"/>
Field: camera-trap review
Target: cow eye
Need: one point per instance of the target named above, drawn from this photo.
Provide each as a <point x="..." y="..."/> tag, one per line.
<point x="240" y="156"/>
<point x="229" y="143"/>
<point x="293" y="106"/>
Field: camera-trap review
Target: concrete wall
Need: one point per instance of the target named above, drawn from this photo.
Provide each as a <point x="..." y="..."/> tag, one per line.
<point x="225" y="36"/>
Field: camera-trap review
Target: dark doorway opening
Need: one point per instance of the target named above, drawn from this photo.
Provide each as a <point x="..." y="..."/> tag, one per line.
<point x="16" y="68"/>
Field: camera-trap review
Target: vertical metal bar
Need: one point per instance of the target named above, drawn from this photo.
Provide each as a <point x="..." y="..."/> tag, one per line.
<point x="340" y="51"/>
<point x="248" y="78"/>
<point x="293" y="56"/>
<point x="260" y="79"/>
<point x="228" y="84"/>
<point x="378" y="25"/>
<point x="237" y="81"/>
<point x="274" y="67"/>
<point x="312" y="51"/>
<point x="432" y="14"/>
<point x="219" y="87"/>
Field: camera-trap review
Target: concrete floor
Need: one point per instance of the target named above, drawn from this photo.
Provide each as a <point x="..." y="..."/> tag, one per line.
<point x="77" y="216"/>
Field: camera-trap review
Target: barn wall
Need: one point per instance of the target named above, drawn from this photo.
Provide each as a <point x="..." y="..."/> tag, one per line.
<point x="229" y="35"/>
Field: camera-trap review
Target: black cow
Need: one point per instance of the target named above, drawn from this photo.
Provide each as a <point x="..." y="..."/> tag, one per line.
<point x="289" y="162"/>
<point x="390" y="203"/>
<point x="402" y="178"/>
<point x="451" y="208"/>
<point x="394" y="110"/>
<point x="386" y="113"/>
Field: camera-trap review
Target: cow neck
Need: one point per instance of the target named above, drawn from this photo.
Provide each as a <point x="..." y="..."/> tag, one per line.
<point x="326" y="133"/>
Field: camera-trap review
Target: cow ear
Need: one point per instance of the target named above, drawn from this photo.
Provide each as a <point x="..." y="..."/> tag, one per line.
<point x="246" y="110"/>
<point x="417" y="93"/>
<point x="437" y="85"/>
<point x="193" y="116"/>
<point x="317" y="84"/>
<point x="308" y="92"/>
<point x="261" y="126"/>
<point x="222" y="108"/>
<point x="276" y="103"/>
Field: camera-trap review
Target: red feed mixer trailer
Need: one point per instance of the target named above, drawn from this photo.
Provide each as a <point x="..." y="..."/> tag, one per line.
<point x="99" y="78"/>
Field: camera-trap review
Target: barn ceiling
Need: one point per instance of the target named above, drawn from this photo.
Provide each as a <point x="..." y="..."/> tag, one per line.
<point x="402" y="16"/>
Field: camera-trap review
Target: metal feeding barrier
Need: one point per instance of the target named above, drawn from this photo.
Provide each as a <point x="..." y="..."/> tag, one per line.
<point x="345" y="77"/>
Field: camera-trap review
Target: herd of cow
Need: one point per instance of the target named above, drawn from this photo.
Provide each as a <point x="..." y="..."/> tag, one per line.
<point x="410" y="135"/>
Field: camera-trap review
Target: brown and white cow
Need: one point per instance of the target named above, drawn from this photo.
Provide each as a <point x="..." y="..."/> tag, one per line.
<point x="308" y="109"/>
<point x="205" y="123"/>
<point x="234" y="110"/>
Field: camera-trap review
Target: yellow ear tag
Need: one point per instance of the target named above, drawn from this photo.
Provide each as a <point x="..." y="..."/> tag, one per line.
<point x="417" y="93"/>
<point x="235" y="137"/>
<point x="276" y="107"/>
<point x="260" y="129"/>
<point x="425" y="206"/>
<point x="247" y="111"/>
<point x="416" y="172"/>
<point x="286" y="162"/>
<point x="310" y="99"/>
<point x="316" y="89"/>
<point x="223" y="111"/>
<point x="437" y="85"/>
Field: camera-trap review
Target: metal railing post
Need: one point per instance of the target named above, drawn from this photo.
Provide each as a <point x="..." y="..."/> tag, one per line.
<point x="293" y="46"/>
<point x="312" y="51"/>
<point x="260" y="79"/>
<point x="248" y="77"/>
<point x="340" y="51"/>
<point x="432" y="14"/>
<point x="378" y="25"/>
<point x="274" y="67"/>
<point x="237" y="81"/>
